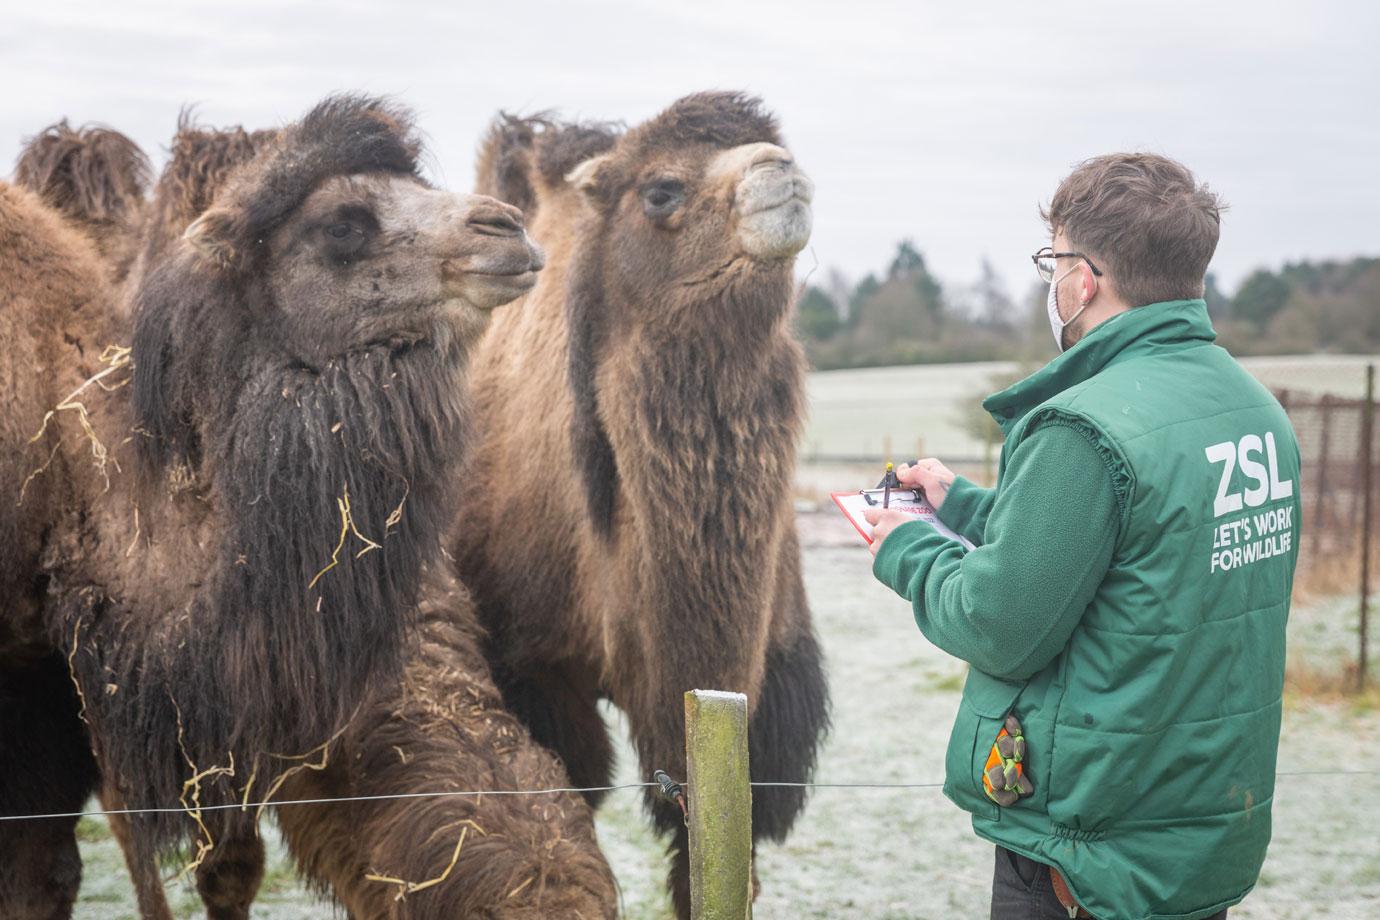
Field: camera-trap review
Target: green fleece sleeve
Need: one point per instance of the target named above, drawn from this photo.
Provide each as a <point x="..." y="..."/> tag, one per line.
<point x="1009" y="606"/>
<point x="966" y="508"/>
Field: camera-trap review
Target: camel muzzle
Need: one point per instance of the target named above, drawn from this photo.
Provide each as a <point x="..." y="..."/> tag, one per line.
<point x="773" y="204"/>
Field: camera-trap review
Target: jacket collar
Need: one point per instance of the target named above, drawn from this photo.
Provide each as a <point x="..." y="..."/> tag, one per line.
<point x="1138" y="331"/>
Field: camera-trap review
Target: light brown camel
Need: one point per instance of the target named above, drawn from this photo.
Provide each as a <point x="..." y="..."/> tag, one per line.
<point x="629" y="529"/>
<point x="444" y="729"/>
<point x="96" y="178"/>
<point x="295" y="413"/>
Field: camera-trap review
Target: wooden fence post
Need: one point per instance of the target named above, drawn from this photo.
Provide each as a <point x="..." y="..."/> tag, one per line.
<point x="1367" y="471"/>
<point x="720" y="805"/>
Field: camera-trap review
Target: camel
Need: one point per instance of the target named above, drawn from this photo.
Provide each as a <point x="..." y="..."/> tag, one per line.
<point x="444" y="725"/>
<point x="221" y="542"/>
<point x="96" y="178"/>
<point x="628" y="531"/>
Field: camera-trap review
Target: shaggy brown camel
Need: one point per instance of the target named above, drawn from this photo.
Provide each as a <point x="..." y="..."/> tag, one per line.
<point x="51" y="275"/>
<point x="444" y="729"/>
<point x="629" y="529"/>
<point x="96" y="178"/>
<point x="295" y="409"/>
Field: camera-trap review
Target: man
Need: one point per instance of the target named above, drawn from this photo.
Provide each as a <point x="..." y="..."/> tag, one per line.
<point x="1123" y="611"/>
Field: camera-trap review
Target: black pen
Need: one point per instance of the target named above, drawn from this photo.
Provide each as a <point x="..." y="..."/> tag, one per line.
<point x="886" y="486"/>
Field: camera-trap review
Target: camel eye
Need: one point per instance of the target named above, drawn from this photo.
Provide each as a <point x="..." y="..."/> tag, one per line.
<point x="346" y="235"/>
<point x="662" y="198"/>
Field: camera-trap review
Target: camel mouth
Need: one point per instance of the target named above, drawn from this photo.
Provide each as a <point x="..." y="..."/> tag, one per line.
<point x="488" y="290"/>
<point x="776" y="231"/>
<point x="784" y="196"/>
<point x="528" y="273"/>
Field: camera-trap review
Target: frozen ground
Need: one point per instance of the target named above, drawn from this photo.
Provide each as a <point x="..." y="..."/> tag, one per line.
<point x="882" y="855"/>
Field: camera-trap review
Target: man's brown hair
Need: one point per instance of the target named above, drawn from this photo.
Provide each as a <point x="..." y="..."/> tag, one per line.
<point x="1144" y="220"/>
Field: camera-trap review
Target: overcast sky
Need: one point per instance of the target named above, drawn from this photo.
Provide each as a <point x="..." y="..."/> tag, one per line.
<point x="945" y="123"/>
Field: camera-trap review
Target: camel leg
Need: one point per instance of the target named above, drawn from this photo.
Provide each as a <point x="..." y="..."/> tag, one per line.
<point x="45" y="766"/>
<point x="784" y="733"/>
<point x="228" y="879"/>
<point x="143" y="869"/>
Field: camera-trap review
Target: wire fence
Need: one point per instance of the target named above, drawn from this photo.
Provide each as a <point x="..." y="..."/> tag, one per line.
<point x="555" y="790"/>
<point x="1339" y="445"/>
<point x="1339" y="452"/>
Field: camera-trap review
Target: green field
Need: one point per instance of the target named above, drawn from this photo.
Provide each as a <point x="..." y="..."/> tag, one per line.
<point x="858" y="413"/>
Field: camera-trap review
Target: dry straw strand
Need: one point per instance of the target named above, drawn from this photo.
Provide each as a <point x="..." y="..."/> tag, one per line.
<point x="72" y="672"/>
<point x="323" y="748"/>
<point x="115" y="357"/>
<point x="347" y="527"/>
<point x="193" y="808"/>
<point x="406" y="888"/>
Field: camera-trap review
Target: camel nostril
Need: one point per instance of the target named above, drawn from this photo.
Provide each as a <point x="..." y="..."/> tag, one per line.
<point x="494" y="224"/>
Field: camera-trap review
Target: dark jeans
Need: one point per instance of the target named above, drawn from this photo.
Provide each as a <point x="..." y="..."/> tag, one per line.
<point x="1021" y="890"/>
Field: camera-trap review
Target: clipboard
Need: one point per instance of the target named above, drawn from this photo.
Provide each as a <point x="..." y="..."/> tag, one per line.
<point x="908" y="501"/>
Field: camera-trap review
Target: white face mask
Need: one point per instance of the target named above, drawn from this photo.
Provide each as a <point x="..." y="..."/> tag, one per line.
<point x="1057" y="323"/>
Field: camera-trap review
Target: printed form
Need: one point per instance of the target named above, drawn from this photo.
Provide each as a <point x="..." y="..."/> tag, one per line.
<point x="908" y="501"/>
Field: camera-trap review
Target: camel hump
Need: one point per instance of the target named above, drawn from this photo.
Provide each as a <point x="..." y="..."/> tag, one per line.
<point x="561" y="150"/>
<point x="519" y="154"/>
<point x="201" y="160"/>
<point x="504" y="165"/>
<point x="92" y="174"/>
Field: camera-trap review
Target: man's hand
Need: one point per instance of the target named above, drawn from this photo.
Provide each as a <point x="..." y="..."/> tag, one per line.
<point x="883" y="522"/>
<point x="930" y="476"/>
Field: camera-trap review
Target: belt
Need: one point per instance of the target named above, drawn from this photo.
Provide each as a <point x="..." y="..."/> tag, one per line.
<point x="1061" y="891"/>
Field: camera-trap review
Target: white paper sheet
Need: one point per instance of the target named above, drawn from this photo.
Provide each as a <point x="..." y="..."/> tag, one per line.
<point x="853" y="504"/>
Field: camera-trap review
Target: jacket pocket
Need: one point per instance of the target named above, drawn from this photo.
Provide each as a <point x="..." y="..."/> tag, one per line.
<point x="986" y="703"/>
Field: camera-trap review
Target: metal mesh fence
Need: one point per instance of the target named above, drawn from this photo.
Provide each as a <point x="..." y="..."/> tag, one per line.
<point x="1332" y="435"/>
<point x="1340" y="452"/>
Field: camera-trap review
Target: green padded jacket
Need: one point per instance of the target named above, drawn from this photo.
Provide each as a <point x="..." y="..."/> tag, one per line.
<point x="1152" y="719"/>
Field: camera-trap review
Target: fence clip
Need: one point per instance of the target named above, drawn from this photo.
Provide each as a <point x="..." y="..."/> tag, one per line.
<point x="672" y="791"/>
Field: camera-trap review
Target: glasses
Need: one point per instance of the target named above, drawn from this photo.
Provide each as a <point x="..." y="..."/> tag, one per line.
<point x="1047" y="259"/>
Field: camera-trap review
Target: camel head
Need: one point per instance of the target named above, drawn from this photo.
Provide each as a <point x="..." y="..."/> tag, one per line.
<point x="370" y="253"/>
<point x="701" y="194"/>
<point x="321" y="244"/>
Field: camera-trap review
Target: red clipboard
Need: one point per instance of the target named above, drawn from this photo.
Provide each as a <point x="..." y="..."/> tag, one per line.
<point x="907" y="501"/>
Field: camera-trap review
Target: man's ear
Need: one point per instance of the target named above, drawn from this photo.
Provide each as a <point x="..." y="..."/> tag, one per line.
<point x="213" y="236"/>
<point x="1090" y="285"/>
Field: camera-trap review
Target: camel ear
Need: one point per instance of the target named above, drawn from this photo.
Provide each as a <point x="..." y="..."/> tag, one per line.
<point x="213" y="236"/>
<point x="585" y="176"/>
